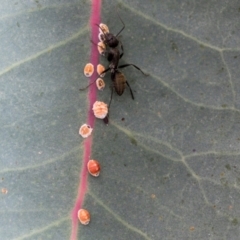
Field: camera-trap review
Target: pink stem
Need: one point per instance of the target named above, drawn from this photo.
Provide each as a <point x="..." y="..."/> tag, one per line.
<point x="92" y="96"/>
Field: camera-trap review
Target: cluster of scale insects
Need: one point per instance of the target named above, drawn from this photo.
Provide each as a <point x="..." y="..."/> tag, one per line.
<point x="109" y="47"/>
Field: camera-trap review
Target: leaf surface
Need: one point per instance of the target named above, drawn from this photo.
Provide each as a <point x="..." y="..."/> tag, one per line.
<point x="170" y="158"/>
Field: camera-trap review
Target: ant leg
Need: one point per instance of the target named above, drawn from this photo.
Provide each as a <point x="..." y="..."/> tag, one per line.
<point x="129" y="64"/>
<point x="101" y="29"/>
<point x="81" y="89"/>
<point x="121" y="49"/>
<point x="130" y="90"/>
<point x="106" y="70"/>
<point x="103" y="32"/>
<point x="122" y="23"/>
<point x="106" y="119"/>
<point x="94" y="43"/>
<point x="104" y="50"/>
<point x="110" y="99"/>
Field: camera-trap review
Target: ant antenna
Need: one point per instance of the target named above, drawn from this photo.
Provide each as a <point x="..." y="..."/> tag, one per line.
<point x="102" y="30"/>
<point x="96" y="44"/>
<point x="81" y="89"/>
<point x="122" y="23"/>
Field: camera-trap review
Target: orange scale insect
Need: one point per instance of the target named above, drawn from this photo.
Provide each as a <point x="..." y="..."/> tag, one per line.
<point x="103" y="28"/>
<point x="88" y="70"/>
<point x="94" y="167"/>
<point x="100" y="84"/>
<point x="100" y="69"/>
<point x="85" y="130"/>
<point x="100" y="109"/>
<point x="84" y="216"/>
<point x="100" y="37"/>
<point x="101" y="48"/>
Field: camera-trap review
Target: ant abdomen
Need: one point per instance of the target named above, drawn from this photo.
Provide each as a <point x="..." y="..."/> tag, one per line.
<point x="119" y="83"/>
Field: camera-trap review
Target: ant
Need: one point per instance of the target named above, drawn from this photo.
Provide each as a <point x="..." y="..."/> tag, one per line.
<point x="113" y="56"/>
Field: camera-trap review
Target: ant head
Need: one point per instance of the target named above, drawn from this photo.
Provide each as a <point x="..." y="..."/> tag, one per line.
<point x="111" y="40"/>
<point x="108" y="38"/>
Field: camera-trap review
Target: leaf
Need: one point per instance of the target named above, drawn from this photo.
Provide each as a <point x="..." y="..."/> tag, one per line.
<point x="170" y="158"/>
